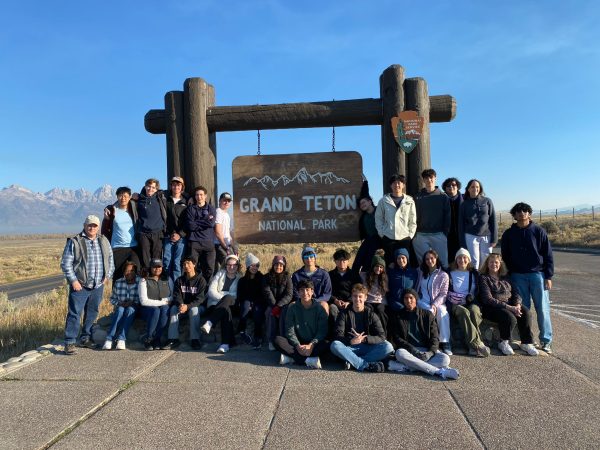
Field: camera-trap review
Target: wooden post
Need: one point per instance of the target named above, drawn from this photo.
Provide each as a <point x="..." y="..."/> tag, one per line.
<point x="392" y="103"/>
<point x="417" y="99"/>
<point x="556" y="215"/>
<point x="573" y="213"/>
<point x="200" y="160"/>
<point x="592" y="213"/>
<point x="174" y="134"/>
<point x="212" y="144"/>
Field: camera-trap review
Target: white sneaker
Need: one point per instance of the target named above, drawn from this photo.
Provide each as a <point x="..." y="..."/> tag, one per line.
<point x="313" y="362"/>
<point x="285" y="359"/>
<point x="505" y="348"/>
<point x="120" y="344"/>
<point x="223" y="348"/>
<point x="448" y="373"/>
<point x="529" y="349"/>
<point x="396" y="366"/>
<point x="206" y="327"/>
<point x="271" y="347"/>
<point x="107" y="345"/>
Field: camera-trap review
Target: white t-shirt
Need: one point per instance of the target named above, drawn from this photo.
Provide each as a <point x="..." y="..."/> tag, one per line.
<point x="225" y="220"/>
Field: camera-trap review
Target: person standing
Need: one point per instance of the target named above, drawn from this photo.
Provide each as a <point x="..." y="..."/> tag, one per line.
<point x="433" y="219"/>
<point x="119" y="226"/>
<point x="152" y="214"/>
<point x="342" y="279"/>
<point x="367" y="230"/>
<point x="87" y="263"/>
<point x="527" y="252"/>
<point x="477" y="227"/>
<point x="223" y="232"/>
<point x="199" y="223"/>
<point x="451" y="187"/>
<point x="174" y="241"/>
<point x="396" y="218"/>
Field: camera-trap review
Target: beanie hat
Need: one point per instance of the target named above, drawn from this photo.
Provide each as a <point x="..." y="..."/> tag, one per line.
<point x="401" y="251"/>
<point x="377" y="261"/>
<point x="461" y="252"/>
<point x="279" y="259"/>
<point x="251" y="259"/>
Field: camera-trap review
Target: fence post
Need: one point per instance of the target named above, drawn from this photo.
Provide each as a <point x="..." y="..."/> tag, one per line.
<point x="556" y="215"/>
<point x="540" y="215"/>
<point x="573" y="213"/>
<point x="592" y="213"/>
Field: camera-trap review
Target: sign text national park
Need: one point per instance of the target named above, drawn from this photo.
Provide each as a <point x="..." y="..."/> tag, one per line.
<point x="308" y="197"/>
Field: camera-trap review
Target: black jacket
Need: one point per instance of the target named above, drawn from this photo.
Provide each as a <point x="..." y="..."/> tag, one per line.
<point x="175" y="214"/>
<point x="189" y="291"/>
<point x="346" y="321"/>
<point x="277" y="294"/>
<point x="341" y="287"/>
<point x="109" y="218"/>
<point x="399" y="324"/>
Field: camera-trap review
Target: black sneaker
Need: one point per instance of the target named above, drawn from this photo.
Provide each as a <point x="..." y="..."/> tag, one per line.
<point x="246" y="338"/>
<point x="347" y="365"/>
<point x="376" y="367"/>
<point x="196" y="344"/>
<point x="171" y="344"/>
<point x="148" y="345"/>
<point x="70" y="349"/>
<point x="257" y="344"/>
<point x="86" y="343"/>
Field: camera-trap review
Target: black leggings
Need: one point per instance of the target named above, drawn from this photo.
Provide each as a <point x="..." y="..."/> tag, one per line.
<point x="507" y="322"/>
<point x="221" y="313"/>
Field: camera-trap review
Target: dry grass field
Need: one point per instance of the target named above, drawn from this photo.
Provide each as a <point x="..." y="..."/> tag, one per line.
<point x="21" y="258"/>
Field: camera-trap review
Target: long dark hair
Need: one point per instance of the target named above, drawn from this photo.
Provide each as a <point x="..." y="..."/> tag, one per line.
<point x="425" y="268"/>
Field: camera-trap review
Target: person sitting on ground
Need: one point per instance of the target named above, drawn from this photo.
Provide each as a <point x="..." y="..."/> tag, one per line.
<point x="359" y="335"/>
<point x="126" y="301"/>
<point x="278" y="292"/>
<point x="376" y="282"/>
<point x="433" y="289"/>
<point x="305" y="329"/>
<point x="188" y="298"/>
<point x="251" y="302"/>
<point x="222" y="295"/>
<point x="400" y="277"/>
<point x="415" y="337"/>
<point x="155" y="297"/>
<point x="501" y="303"/>
<point x="342" y="280"/>
<point x="462" y="302"/>
<point x="319" y="277"/>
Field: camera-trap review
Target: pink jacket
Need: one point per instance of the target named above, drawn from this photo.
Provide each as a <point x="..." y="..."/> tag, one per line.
<point x="437" y="285"/>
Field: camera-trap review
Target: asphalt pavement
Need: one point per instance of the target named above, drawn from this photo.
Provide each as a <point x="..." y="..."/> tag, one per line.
<point x="244" y="399"/>
<point x="27" y="288"/>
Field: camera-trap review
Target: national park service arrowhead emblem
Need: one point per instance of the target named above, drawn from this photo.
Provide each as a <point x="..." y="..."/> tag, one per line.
<point x="407" y="127"/>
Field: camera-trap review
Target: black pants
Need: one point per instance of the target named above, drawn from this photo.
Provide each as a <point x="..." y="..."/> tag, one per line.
<point x="150" y="247"/>
<point x="364" y="255"/>
<point x="380" y="310"/>
<point x="318" y="349"/>
<point x="121" y="255"/>
<point x="507" y="322"/>
<point x="204" y="254"/>
<point x="221" y="313"/>
<point x="390" y="246"/>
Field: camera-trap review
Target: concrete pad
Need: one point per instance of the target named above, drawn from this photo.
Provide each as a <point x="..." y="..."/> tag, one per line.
<point x="533" y="419"/>
<point x="176" y="416"/>
<point x="116" y="366"/>
<point x="231" y="368"/>
<point x="516" y="373"/>
<point x="33" y="413"/>
<point x="366" y="417"/>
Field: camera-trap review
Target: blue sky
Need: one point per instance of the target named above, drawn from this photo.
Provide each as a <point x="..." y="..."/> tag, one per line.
<point x="77" y="78"/>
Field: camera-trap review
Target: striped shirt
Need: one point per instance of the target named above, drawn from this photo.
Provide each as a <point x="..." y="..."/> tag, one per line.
<point x="122" y="291"/>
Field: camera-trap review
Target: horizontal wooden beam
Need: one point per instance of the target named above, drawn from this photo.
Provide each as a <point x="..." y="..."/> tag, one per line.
<point x="367" y="111"/>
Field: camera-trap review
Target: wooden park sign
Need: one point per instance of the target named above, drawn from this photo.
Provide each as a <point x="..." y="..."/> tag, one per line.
<point x="309" y="197"/>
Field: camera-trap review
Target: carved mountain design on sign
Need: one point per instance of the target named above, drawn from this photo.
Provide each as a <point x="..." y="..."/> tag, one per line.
<point x="301" y="177"/>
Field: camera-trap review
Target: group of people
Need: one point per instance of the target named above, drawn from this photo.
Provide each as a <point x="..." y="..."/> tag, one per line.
<point x="171" y="256"/>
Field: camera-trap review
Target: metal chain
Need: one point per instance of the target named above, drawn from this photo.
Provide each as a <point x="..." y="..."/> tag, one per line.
<point x="258" y="150"/>
<point x="333" y="139"/>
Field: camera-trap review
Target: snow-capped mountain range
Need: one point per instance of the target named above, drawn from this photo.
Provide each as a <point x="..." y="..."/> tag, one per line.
<point x="301" y="177"/>
<point x="23" y="211"/>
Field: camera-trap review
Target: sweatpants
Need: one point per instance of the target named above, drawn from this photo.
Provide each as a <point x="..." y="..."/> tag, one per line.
<point x="430" y="367"/>
<point x="221" y="313"/>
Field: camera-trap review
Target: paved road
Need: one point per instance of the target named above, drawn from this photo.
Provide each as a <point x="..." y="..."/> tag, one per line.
<point x="576" y="287"/>
<point x="30" y="287"/>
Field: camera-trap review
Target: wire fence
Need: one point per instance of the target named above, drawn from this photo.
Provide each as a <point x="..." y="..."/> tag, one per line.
<point x="556" y="214"/>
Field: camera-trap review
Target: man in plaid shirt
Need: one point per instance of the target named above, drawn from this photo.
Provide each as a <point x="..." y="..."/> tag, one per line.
<point x="87" y="263"/>
<point x="126" y="300"/>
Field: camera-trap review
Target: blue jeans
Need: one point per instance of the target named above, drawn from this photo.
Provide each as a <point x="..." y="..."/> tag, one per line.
<point x="362" y="354"/>
<point x="531" y="285"/>
<point x="122" y="321"/>
<point x="86" y="301"/>
<point x="172" y="253"/>
<point x="156" y="319"/>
